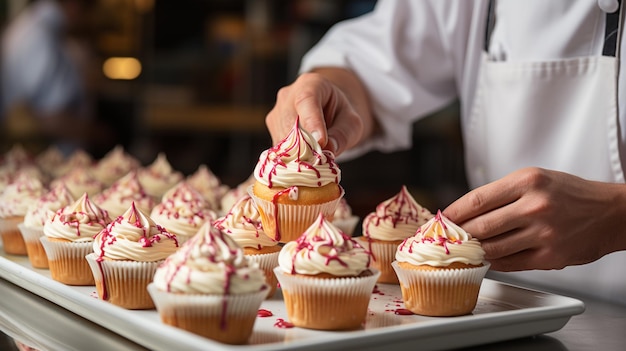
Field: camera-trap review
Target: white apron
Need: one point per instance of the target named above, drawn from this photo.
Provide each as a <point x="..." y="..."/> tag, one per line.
<point x="559" y="115"/>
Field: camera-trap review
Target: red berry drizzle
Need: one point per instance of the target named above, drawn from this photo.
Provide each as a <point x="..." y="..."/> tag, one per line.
<point x="263" y="313"/>
<point x="283" y="324"/>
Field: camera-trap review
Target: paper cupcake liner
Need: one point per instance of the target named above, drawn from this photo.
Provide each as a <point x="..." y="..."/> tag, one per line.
<point x="326" y="304"/>
<point x="267" y="262"/>
<point x="34" y="248"/>
<point x="123" y="283"/>
<point x="346" y="225"/>
<point x="383" y="253"/>
<point x="286" y="223"/>
<point x="224" y="318"/>
<point x="12" y="240"/>
<point x="67" y="263"/>
<point x="440" y="292"/>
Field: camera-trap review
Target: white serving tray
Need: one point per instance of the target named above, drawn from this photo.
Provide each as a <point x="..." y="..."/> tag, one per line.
<point x="503" y="312"/>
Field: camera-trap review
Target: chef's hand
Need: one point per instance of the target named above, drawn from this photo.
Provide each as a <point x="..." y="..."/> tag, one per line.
<point x="332" y="105"/>
<point x="540" y="219"/>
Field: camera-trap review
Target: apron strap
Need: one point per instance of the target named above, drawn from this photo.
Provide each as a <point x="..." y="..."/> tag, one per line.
<point x="611" y="31"/>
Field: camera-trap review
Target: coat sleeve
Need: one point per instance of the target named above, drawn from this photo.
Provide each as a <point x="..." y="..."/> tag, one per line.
<point x="407" y="55"/>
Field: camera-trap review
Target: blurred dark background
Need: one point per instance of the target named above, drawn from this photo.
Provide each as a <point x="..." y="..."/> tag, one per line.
<point x="195" y="79"/>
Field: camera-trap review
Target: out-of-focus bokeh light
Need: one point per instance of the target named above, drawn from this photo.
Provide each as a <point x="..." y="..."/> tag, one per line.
<point x="123" y="68"/>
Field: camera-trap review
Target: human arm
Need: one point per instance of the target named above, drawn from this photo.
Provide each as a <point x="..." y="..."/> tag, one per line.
<point x="541" y="219"/>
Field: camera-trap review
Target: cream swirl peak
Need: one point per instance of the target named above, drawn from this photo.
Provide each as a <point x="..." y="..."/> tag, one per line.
<point x="159" y="176"/>
<point x="118" y="197"/>
<point x="182" y="211"/>
<point x="298" y="159"/>
<point x="37" y="214"/>
<point x="80" y="221"/>
<point x="19" y="195"/>
<point x="209" y="263"/>
<point x="243" y="223"/>
<point x="440" y="242"/>
<point x="209" y="185"/>
<point x="114" y="165"/>
<point x="134" y="236"/>
<point x="80" y="180"/>
<point x="323" y="248"/>
<point x="395" y="218"/>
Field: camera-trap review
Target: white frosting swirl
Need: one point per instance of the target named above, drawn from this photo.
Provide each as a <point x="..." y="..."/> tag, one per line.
<point x="323" y="248"/>
<point x="209" y="263"/>
<point x="395" y="218"/>
<point x="182" y="211"/>
<point x="22" y="192"/>
<point x="79" y="181"/>
<point x="114" y="165"/>
<point x="207" y="184"/>
<point x="120" y="195"/>
<point x="243" y="223"/>
<point x="297" y="160"/>
<point x="235" y="194"/>
<point x="37" y="214"/>
<point x="134" y="236"/>
<point x="78" y="222"/>
<point x="159" y="176"/>
<point x="439" y="243"/>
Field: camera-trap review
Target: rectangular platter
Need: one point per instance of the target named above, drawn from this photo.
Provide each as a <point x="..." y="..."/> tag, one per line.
<point x="503" y="312"/>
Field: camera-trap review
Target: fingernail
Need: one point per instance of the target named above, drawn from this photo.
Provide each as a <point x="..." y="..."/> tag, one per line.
<point x="316" y="135"/>
<point x="333" y="144"/>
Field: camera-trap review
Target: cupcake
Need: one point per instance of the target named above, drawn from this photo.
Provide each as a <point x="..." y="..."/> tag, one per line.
<point x="114" y="165"/>
<point x="207" y="184"/>
<point x="127" y="190"/>
<point x="182" y="211"/>
<point x="125" y="256"/>
<point x="68" y="237"/>
<point x="49" y="159"/>
<point x="243" y="223"/>
<point x="158" y="177"/>
<point x="79" y="181"/>
<point x="325" y="278"/>
<point x="36" y="216"/>
<point x="22" y="192"/>
<point x="440" y="269"/>
<point x="235" y="194"/>
<point x="295" y="181"/>
<point x="394" y="220"/>
<point x="78" y="159"/>
<point x="208" y="287"/>
<point x="344" y="219"/>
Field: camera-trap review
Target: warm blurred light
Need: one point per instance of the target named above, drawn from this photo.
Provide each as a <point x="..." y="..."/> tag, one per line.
<point x="144" y="6"/>
<point x="126" y="68"/>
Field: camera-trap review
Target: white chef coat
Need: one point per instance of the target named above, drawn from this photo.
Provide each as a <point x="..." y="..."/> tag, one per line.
<point x="37" y="66"/>
<point x="415" y="57"/>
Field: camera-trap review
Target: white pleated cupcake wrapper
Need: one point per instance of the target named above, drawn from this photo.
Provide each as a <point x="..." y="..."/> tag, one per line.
<point x="347" y="225"/>
<point x="267" y="262"/>
<point x="293" y="220"/>
<point x="338" y="287"/>
<point x="31" y="234"/>
<point x="10" y="223"/>
<point x="122" y="270"/>
<point x="383" y="252"/>
<point x="203" y="305"/>
<point x="443" y="277"/>
<point x="56" y="250"/>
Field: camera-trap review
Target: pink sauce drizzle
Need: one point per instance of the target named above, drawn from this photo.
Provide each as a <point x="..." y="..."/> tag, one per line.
<point x="263" y="313"/>
<point x="402" y="312"/>
<point x="283" y="324"/>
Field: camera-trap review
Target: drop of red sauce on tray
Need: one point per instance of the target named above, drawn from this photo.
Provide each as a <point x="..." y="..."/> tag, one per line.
<point x="283" y="324"/>
<point x="402" y="312"/>
<point x="264" y="313"/>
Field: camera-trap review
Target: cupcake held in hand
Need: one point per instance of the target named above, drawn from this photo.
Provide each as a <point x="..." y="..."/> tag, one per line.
<point x="325" y="278"/>
<point x="440" y="269"/>
<point x="295" y="181"/>
<point x="208" y="287"/>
